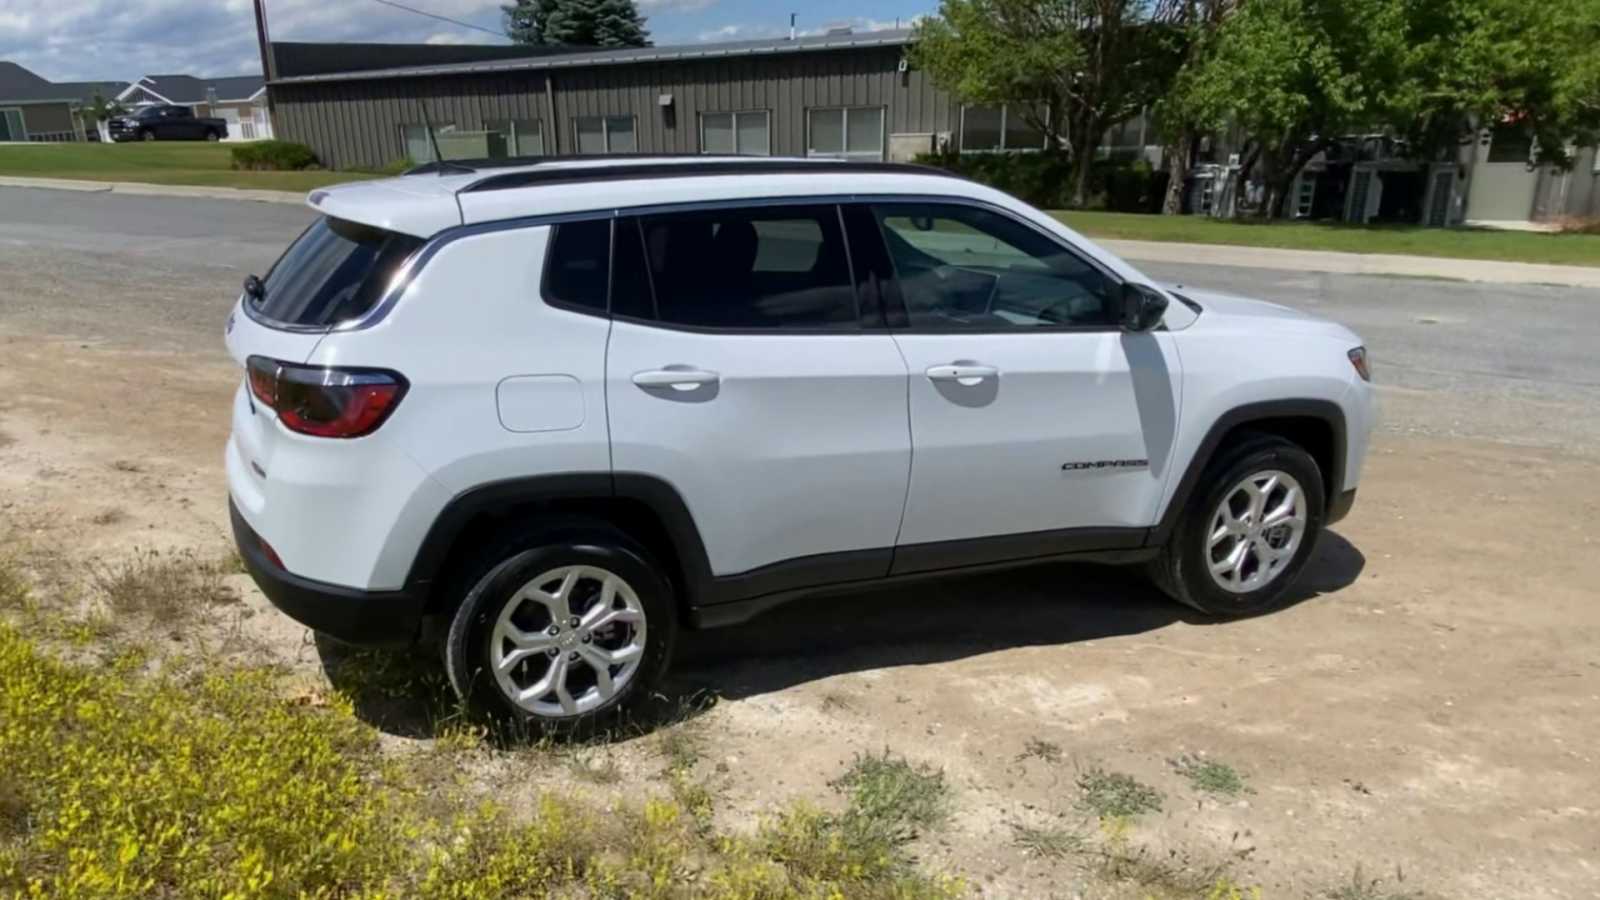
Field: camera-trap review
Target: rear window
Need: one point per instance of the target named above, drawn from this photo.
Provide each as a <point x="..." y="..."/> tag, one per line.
<point x="333" y="273"/>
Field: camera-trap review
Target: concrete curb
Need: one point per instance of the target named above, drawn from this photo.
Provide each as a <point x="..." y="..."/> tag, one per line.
<point x="1143" y="251"/>
<point x="155" y="190"/>
<point x="1480" y="270"/>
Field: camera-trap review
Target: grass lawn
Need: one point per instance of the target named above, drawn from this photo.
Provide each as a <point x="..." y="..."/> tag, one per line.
<point x="1460" y="243"/>
<point x="160" y="162"/>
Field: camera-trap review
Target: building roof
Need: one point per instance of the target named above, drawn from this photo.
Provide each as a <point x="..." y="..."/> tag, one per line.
<point x="294" y="58"/>
<point x="84" y="91"/>
<point x="593" y="57"/>
<point x="18" y="85"/>
<point x="193" y="89"/>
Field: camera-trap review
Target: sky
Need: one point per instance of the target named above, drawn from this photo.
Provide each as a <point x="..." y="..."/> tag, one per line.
<point x="119" y="40"/>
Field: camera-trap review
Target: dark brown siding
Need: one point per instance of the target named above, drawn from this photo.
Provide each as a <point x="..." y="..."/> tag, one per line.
<point x="47" y="118"/>
<point x="356" y="124"/>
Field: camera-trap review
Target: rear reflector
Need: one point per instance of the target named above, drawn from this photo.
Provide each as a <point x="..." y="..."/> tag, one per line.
<point x="326" y="402"/>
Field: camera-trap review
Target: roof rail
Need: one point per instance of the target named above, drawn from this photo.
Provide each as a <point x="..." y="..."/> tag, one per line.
<point x="510" y="162"/>
<point x="651" y="169"/>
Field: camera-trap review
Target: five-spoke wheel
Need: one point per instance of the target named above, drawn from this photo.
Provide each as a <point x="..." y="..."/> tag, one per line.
<point x="560" y="625"/>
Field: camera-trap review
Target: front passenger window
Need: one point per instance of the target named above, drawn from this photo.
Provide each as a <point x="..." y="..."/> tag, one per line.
<point x="962" y="267"/>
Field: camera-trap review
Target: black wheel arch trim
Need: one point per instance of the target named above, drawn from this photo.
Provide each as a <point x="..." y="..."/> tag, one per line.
<point x="1325" y="411"/>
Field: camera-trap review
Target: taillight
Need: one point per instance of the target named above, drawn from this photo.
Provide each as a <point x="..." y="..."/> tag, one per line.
<point x="1358" y="358"/>
<point x="325" y="402"/>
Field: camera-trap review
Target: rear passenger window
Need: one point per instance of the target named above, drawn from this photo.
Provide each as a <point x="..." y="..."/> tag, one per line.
<point x="778" y="267"/>
<point x="576" y="265"/>
<point x="334" y="272"/>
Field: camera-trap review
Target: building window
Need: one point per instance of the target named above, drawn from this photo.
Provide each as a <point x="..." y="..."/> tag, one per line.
<point x="748" y="133"/>
<point x="1510" y="144"/>
<point x="419" y="147"/>
<point x="11" y="127"/>
<point x="605" y="134"/>
<point x="849" y="133"/>
<point x="514" y="137"/>
<point x="987" y="129"/>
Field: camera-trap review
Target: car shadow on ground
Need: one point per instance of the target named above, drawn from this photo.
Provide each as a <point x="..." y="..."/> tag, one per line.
<point x="937" y="620"/>
<point x="940" y="620"/>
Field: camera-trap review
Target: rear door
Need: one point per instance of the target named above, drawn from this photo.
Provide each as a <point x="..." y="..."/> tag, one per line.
<point x="1038" y="425"/>
<point x="739" y="370"/>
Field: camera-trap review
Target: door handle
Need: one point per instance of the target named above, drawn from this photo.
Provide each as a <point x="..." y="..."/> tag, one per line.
<point x="677" y="378"/>
<point x="968" y="374"/>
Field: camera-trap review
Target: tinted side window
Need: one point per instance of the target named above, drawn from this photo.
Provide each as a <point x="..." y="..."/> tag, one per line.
<point x="575" y="268"/>
<point x="334" y="272"/>
<point x="966" y="267"/>
<point x="631" y="296"/>
<point x="779" y="267"/>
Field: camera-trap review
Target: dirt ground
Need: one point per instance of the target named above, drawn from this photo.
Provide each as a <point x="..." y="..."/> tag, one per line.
<point x="1427" y="713"/>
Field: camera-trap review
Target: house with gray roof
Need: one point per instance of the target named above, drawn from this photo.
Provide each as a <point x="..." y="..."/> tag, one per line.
<point x="240" y="100"/>
<point x="34" y="109"/>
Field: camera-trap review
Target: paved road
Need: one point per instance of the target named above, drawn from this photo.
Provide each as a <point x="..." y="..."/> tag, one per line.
<point x="1504" y="362"/>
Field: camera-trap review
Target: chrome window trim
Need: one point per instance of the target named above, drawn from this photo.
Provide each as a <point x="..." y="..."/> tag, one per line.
<point x="419" y="259"/>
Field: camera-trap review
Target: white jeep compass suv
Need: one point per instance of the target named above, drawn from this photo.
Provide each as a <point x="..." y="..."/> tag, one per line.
<point x="566" y="407"/>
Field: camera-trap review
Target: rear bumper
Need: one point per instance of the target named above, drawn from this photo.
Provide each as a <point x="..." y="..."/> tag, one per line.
<point x="378" y="618"/>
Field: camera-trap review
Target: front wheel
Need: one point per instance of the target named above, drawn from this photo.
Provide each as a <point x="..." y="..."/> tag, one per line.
<point x="147" y="135"/>
<point x="563" y="629"/>
<point x="1247" y="532"/>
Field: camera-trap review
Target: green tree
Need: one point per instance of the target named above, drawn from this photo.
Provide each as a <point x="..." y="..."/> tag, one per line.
<point x="1296" y="75"/>
<point x="1185" y="111"/>
<point x="577" y="23"/>
<point x="1072" y="68"/>
<point x="99" y="109"/>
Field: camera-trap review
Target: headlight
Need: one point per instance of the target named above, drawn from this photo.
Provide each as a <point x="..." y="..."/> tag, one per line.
<point x="1358" y="358"/>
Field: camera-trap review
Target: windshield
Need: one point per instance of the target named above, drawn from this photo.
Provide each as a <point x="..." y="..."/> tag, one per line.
<point x="334" y="272"/>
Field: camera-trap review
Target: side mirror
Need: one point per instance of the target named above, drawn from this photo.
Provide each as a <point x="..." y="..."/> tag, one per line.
<point x="1142" y="307"/>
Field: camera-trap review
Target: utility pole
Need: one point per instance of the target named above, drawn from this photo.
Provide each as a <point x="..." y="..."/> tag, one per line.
<point x="264" y="41"/>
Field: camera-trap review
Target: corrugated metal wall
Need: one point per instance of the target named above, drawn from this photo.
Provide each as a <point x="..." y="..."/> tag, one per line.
<point x="358" y="123"/>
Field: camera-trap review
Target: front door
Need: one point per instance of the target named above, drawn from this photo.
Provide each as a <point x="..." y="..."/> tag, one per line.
<point x="738" y="370"/>
<point x="1038" y="425"/>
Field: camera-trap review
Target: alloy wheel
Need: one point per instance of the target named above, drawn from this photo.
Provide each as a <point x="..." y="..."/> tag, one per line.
<point x="1255" y="531"/>
<point x="568" y="641"/>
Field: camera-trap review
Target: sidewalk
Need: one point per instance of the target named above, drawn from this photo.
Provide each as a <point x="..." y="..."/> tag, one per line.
<point x="155" y="190"/>
<point x="1481" y="270"/>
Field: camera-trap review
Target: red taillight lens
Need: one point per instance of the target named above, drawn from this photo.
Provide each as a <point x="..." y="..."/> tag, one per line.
<point x="326" y="402"/>
<point x="1358" y="358"/>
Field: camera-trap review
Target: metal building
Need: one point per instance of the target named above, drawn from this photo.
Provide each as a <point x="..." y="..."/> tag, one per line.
<point x="849" y="95"/>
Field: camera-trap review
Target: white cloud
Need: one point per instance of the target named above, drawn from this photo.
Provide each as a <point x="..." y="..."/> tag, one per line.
<point x="123" y="39"/>
<point x="748" y="32"/>
<point x="651" y="7"/>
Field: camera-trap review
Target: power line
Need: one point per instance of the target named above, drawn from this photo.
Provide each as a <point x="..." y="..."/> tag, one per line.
<point x="423" y="12"/>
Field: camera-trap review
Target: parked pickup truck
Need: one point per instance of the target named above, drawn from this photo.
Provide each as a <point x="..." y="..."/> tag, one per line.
<point x="166" y="123"/>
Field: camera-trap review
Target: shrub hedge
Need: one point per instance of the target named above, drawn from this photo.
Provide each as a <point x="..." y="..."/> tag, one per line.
<point x="280" y="156"/>
<point x="1045" y="179"/>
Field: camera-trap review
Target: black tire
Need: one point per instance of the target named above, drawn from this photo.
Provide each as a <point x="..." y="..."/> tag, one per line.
<point x="147" y="135"/>
<point x="1182" y="569"/>
<point x="490" y="581"/>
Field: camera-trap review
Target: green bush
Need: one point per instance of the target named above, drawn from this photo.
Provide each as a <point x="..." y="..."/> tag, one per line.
<point x="1045" y="179"/>
<point x="275" y="156"/>
<point x="1042" y="179"/>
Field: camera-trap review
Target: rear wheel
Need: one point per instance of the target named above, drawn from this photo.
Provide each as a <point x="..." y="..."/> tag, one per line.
<point x="563" y="629"/>
<point x="213" y="136"/>
<point x="1247" y="532"/>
